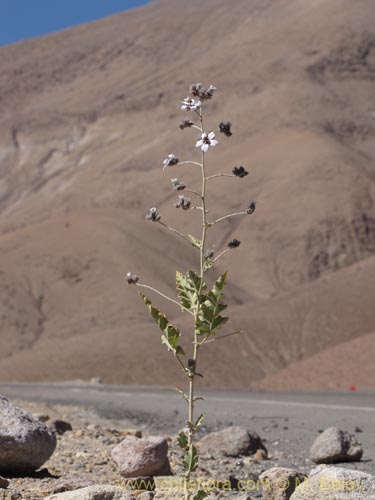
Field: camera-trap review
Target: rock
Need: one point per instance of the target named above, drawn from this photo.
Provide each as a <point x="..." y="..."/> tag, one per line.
<point x="71" y="482"/>
<point x="334" y="483"/>
<point x="60" y="426"/>
<point x="96" y="492"/>
<point x="279" y="483"/>
<point x="232" y="442"/>
<point x="25" y="442"/>
<point x="142" y="457"/>
<point x="4" y="483"/>
<point x="334" y="446"/>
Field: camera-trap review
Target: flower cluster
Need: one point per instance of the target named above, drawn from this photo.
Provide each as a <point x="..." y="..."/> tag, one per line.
<point x="251" y="208"/>
<point x="240" y="172"/>
<point x="206" y="141"/>
<point x="234" y="243"/>
<point x="170" y="161"/>
<point x="184" y="203"/>
<point x="189" y="104"/>
<point x="178" y="185"/>
<point x="201" y="93"/>
<point x="153" y="215"/>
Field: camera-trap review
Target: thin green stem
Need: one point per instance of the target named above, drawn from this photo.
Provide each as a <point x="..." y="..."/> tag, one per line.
<point x="222" y="337"/>
<point x="191" y="162"/>
<point x="220" y="255"/>
<point x="173" y="230"/>
<point x="226" y="217"/>
<point x="219" y="175"/>
<point x="164" y="296"/>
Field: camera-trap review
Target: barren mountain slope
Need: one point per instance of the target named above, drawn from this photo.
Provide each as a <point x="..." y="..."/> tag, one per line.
<point x="86" y="118"/>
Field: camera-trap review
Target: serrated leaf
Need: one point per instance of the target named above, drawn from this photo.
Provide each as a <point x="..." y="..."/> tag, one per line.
<point x="182" y="394"/>
<point x="190" y="460"/>
<point x="171" y="335"/>
<point x="194" y="241"/>
<point x="189" y="286"/>
<point x="199" y="421"/>
<point x="182" y="441"/>
<point x="200" y="495"/>
<point x="209" y="318"/>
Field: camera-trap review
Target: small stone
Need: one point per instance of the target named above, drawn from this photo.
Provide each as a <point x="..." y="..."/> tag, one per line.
<point x="142" y="456"/>
<point x="4" y="483"/>
<point x="42" y="417"/>
<point x="279" y="483"/>
<point x="60" y="427"/>
<point x="130" y="432"/>
<point x="232" y="441"/>
<point x="335" y="446"/>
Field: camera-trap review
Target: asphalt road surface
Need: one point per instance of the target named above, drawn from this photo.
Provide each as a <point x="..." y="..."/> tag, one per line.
<point x="291" y="421"/>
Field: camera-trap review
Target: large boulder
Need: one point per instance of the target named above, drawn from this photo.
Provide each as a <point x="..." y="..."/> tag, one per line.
<point x="96" y="492"/>
<point x="25" y="442"/>
<point x="137" y="457"/>
<point x="335" y="446"/>
<point x="279" y="483"/>
<point x="334" y="483"/>
<point x="232" y="441"/>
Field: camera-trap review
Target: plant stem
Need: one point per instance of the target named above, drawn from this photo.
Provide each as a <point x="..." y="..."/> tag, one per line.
<point x="192" y="374"/>
<point x="164" y="296"/>
<point x="226" y="217"/>
<point x="175" y="231"/>
<point x="189" y="161"/>
<point x="219" y="175"/>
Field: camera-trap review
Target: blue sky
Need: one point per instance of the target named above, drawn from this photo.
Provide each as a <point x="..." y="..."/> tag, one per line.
<point x="22" y="19"/>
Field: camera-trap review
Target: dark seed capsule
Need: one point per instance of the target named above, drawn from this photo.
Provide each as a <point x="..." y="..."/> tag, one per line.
<point x="225" y="128"/>
<point x="251" y="208"/>
<point x="234" y="243"/>
<point x="239" y="172"/>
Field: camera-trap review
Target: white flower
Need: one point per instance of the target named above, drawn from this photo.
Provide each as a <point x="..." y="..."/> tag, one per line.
<point x="170" y="161"/>
<point x="206" y="141"/>
<point x="189" y="104"/>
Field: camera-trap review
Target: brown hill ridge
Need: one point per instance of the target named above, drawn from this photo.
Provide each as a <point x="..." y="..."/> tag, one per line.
<point x="86" y="117"/>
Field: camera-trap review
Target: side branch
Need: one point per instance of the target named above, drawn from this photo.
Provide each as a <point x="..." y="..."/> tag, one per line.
<point x="219" y="175"/>
<point x="165" y="297"/>
<point x="226" y="217"/>
<point x="181" y="235"/>
<point x="191" y="162"/>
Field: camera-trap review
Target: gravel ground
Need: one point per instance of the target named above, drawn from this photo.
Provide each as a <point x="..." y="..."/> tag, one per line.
<point x="83" y="456"/>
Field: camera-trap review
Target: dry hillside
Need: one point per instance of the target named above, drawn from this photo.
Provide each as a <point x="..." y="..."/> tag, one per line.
<point x="86" y="117"/>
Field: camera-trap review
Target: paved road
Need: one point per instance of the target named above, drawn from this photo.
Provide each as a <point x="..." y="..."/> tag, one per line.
<point x="288" y="423"/>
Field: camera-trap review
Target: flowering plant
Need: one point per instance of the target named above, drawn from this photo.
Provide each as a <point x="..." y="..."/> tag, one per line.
<point x="195" y="298"/>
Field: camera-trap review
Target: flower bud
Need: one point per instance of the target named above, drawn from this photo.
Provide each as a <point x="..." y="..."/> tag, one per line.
<point x="251" y="208"/>
<point x="234" y="243"/>
<point x="225" y="128"/>
<point x="132" y="279"/>
<point x="186" y="124"/>
<point x="153" y="215"/>
<point x="240" y="172"/>
<point x="183" y="202"/>
<point x="170" y="161"/>
<point x="178" y="185"/>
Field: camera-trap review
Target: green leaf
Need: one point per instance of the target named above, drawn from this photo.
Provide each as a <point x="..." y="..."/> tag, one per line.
<point x="190" y="461"/>
<point x="182" y="441"/>
<point x="182" y="394"/>
<point x="209" y="318"/>
<point x="199" y="421"/>
<point x="189" y="286"/>
<point x="194" y="241"/>
<point x="200" y="495"/>
<point x="171" y="335"/>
